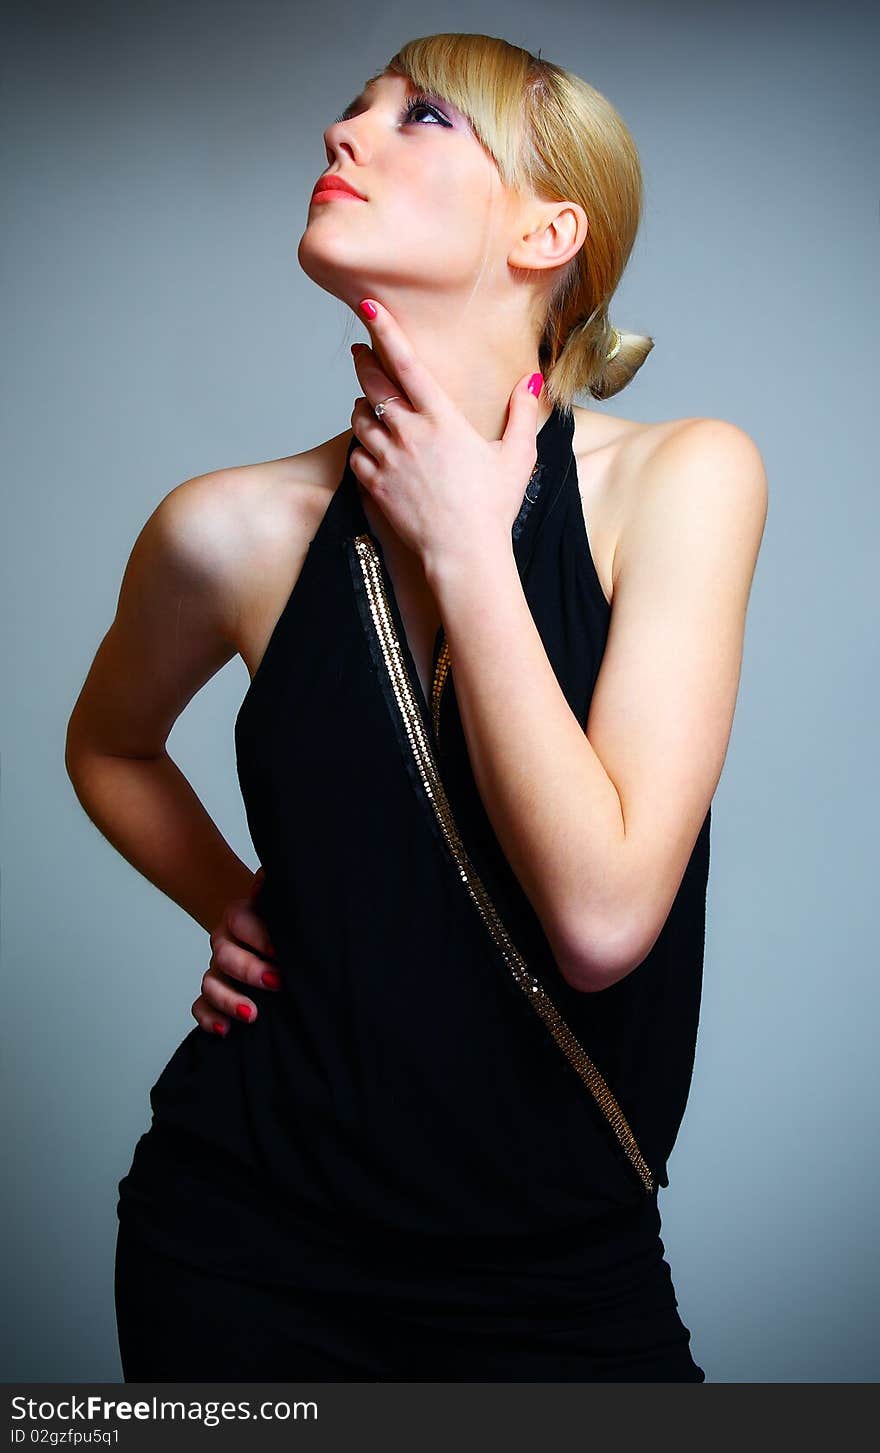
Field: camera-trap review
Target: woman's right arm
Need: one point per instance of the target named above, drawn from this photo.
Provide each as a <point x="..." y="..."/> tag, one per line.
<point x="174" y="628"/>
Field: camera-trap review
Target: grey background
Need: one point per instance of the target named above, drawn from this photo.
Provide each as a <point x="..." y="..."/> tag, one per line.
<point x="158" y="161"/>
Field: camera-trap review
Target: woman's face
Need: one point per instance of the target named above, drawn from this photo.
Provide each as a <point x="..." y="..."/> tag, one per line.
<point x="425" y="224"/>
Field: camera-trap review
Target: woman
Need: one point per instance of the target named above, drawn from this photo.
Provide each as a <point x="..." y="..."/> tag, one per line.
<point x="494" y="644"/>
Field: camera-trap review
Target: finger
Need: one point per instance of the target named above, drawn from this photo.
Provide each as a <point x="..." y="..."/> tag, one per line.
<point x="371" y="376"/>
<point x="243" y="967"/>
<point x="367" y="471"/>
<point x="403" y="363"/>
<point x="378" y="387"/>
<point x="239" y="963"/>
<point x="519" y="440"/>
<point x="218" y="993"/>
<point x="372" y="434"/>
<point x="208" y="1018"/>
<point x="250" y="928"/>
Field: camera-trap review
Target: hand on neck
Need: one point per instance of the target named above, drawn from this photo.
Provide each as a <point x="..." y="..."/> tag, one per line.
<point x="476" y="359"/>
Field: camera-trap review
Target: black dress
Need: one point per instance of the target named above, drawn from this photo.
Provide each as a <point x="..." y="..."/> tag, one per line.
<point x="429" y="1157"/>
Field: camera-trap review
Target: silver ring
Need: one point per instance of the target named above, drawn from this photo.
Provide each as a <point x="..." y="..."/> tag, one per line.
<point x="379" y="409"/>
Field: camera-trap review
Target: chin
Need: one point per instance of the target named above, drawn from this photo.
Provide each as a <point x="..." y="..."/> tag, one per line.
<point x="324" y="258"/>
<point x="328" y="266"/>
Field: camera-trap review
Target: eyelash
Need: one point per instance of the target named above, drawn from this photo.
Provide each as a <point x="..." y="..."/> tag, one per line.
<point x="415" y="103"/>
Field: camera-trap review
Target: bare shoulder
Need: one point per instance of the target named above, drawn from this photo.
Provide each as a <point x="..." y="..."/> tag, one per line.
<point x="243" y="531"/>
<point x="705" y="441"/>
<point x="216" y="557"/>
<point x="629" y="469"/>
<point x="707" y="475"/>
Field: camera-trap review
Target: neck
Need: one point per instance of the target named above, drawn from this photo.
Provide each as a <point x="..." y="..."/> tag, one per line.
<point x="477" y="363"/>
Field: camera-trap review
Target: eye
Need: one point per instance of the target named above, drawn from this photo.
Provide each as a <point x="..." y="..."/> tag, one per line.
<point x="421" y="103"/>
<point x="415" y="103"/>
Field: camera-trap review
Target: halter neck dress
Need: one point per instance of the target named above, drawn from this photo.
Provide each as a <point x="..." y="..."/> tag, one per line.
<point x="427" y="1114"/>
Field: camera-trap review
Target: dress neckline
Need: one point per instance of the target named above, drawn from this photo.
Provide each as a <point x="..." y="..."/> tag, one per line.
<point x="553" y="443"/>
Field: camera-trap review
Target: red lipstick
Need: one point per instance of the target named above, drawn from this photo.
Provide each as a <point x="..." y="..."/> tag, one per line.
<point x="333" y="185"/>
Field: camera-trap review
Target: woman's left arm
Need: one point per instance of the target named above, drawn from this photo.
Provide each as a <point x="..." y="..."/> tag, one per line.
<point x="599" y="826"/>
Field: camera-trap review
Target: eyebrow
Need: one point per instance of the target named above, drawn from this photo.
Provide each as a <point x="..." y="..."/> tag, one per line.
<point x="362" y="96"/>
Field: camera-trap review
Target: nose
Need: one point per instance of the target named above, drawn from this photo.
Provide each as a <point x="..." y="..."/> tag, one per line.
<point x="344" y="138"/>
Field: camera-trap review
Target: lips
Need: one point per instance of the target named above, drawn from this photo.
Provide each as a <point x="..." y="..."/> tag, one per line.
<point x="335" y="183"/>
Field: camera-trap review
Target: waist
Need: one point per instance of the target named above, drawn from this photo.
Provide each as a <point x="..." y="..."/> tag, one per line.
<point x="173" y="1173"/>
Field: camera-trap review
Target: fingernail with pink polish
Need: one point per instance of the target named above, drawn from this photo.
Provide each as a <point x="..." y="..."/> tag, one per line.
<point x="270" y="979"/>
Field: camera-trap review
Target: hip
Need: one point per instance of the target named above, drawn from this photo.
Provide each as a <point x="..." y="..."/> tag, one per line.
<point x="208" y="1324"/>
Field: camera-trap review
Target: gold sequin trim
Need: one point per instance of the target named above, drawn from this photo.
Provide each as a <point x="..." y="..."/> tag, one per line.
<point x="423" y="754"/>
<point x="438" y="684"/>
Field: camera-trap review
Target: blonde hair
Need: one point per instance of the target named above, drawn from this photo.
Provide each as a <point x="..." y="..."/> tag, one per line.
<point x="554" y="136"/>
